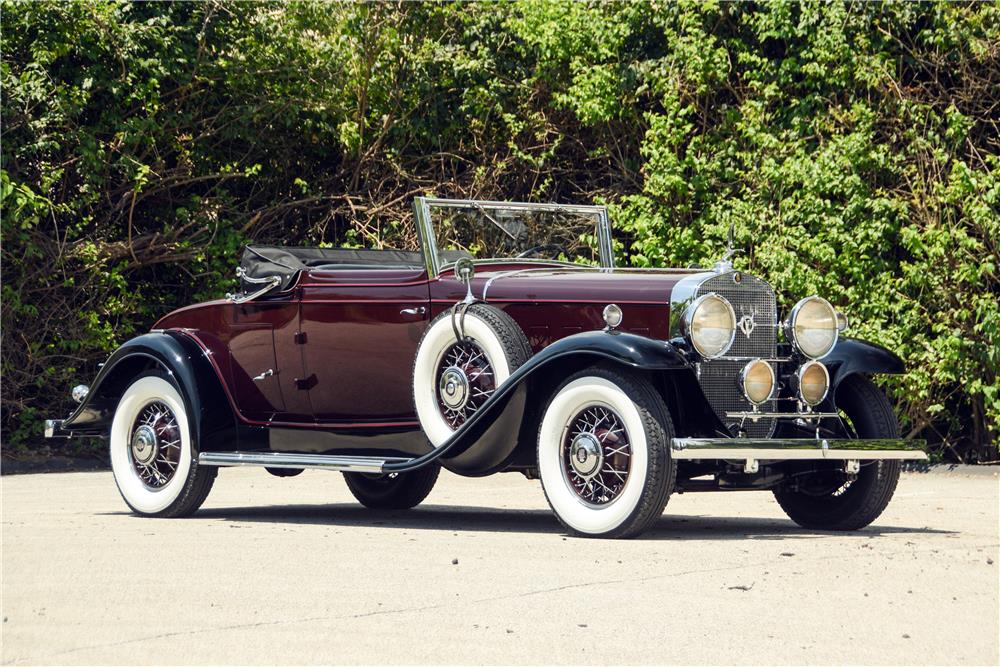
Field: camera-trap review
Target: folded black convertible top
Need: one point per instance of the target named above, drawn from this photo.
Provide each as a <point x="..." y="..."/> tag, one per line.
<point x="285" y="262"/>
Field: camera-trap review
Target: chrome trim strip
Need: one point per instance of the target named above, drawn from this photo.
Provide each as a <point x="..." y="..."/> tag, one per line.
<point x="510" y="274"/>
<point x="778" y="415"/>
<point x="781" y="449"/>
<point x="369" y="464"/>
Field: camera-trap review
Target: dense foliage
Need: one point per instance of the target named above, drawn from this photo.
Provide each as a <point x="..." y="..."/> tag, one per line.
<point x="854" y="145"/>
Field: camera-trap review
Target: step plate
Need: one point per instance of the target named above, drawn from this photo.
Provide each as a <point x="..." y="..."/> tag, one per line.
<point x="369" y="464"/>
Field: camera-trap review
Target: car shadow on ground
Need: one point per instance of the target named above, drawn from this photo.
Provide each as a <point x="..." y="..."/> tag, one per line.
<point x="495" y="520"/>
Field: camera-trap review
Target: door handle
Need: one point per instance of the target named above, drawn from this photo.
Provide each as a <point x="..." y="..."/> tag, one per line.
<point x="419" y="310"/>
<point x="266" y="374"/>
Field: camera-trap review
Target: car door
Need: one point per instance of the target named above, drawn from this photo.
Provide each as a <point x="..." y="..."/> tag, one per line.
<point x="361" y="329"/>
<point x="266" y="360"/>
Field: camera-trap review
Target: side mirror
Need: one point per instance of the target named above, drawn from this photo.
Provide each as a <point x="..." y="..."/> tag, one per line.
<point x="465" y="269"/>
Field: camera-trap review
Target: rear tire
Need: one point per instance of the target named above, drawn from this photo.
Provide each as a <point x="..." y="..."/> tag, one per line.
<point x="856" y="504"/>
<point x="152" y="456"/>
<point x="398" y="491"/>
<point x="604" y="453"/>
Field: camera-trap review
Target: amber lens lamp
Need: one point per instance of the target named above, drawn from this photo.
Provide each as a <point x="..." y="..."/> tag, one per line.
<point x="758" y="381"/>
<point x="813" y="382"/>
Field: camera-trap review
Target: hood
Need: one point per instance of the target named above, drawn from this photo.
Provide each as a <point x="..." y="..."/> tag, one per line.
<point x="603" y="286"/>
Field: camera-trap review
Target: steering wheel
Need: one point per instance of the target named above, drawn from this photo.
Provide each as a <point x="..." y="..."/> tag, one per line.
<point x="534" y="250"/>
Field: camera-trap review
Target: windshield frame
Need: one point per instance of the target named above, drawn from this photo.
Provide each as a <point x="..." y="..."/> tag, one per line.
<point x="428" y="243"/>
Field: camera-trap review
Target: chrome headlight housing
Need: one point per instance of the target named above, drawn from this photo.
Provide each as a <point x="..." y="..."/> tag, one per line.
<point x="710" y="325"/>
<point x="812" y="327"/>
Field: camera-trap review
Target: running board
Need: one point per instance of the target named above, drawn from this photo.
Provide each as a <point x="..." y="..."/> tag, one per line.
<point x="371" y="464"/>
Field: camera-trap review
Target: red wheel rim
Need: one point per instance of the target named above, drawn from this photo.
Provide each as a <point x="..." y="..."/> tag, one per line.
<point x="596" y="455"/>
<point x="154" y="447"/>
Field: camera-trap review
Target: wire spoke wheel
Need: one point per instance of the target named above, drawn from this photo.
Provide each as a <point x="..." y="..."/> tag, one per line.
<point x="155" y="445"/>
<point x="596" y="455"/>
<point x="466" y="380"/>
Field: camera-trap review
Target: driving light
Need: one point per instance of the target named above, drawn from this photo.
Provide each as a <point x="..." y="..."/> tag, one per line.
<point x="710" y="323"/>
<point x="812" y="327"/>
<point x="758" y="381"/>
<point x="813" y="382"/>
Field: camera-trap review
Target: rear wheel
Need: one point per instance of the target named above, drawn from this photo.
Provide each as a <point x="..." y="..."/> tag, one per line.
<point x="604" y="453"/>
<point x="151" y="452"/>
<point x="830" y="501"/>
<point x="395" y="491"/>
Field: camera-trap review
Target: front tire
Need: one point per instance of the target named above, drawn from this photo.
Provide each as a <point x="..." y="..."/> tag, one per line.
<point x="152" y="457"/>
<point x="818" y="503"/>
<point x="604" y="454"/>
<point x="397" y="491"/>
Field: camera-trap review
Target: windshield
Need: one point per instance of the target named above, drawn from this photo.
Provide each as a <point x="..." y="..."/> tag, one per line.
<point x="509" y="230"/>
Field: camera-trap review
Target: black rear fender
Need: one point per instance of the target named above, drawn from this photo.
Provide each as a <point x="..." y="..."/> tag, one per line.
<point x="182" y="360"/>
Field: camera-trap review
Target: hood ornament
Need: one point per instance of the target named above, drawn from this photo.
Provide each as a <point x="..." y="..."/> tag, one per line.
<point x="724" y="265"/>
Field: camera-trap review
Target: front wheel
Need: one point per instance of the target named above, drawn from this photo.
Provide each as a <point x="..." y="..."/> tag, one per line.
<point x="828" y="501"/>
<point x="151" y="452"/>
<point x="604" y="453"/>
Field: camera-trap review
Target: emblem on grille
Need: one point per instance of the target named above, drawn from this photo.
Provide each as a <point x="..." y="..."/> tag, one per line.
<point x="746" y="323"/>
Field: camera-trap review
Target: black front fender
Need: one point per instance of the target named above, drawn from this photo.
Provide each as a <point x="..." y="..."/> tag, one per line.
<point x="486" y="442"/>
<point x="173" y="352"/>
<point x="851" y="356"/>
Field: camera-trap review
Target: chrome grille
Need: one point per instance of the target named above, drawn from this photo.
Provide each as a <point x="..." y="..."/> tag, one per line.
<point x="719" y="378"/>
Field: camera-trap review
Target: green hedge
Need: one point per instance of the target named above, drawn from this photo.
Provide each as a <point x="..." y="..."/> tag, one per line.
<point x="853" y="145"/>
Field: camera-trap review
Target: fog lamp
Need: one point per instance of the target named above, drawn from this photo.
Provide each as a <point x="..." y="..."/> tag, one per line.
<point x="813" y="382"/>
<point x="758" y="381"/>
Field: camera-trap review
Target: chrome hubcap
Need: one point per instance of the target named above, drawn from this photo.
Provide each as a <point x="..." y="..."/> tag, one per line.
<point x="454" y="388"/>
<point x="144" y="445"/>
<point x="465" y="381"/>
<point x="596" y="455"/>
<point x="585" y="455"/>
<point x="155" y="445"/>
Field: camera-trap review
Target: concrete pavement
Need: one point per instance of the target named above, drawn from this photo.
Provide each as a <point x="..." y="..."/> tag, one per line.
<point x="294" y="571"/>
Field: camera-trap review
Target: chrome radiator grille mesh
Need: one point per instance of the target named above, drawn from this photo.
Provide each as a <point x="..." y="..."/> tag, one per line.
<point x="753" y="302"/>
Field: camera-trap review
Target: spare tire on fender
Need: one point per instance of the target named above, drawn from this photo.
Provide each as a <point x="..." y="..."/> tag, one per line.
<point x="452" y="378"/>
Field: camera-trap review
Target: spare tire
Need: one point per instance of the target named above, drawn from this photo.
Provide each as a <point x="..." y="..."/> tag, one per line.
<point x="453" y="378"/>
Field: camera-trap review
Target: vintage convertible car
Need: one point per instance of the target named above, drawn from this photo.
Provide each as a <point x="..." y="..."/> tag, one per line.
<point x="510" y="342"/>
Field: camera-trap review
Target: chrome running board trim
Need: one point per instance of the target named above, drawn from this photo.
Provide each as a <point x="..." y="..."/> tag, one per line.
<point x="369" y="464"/>
<point x="777" y="449"/>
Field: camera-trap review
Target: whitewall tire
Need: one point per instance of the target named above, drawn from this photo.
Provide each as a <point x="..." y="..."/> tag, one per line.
<point x="604" y="453"/>
<point x="151" y="451"/>
<point x="452" y="378"/>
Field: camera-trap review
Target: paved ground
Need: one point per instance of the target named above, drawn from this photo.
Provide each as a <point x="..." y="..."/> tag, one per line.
<point x="291" y="571"/>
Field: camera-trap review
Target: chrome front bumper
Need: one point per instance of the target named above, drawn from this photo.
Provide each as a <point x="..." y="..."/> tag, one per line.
<point x="746" y="449"/>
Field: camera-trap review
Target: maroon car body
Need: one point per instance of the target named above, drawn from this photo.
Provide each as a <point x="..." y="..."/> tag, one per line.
<point x="318" y="363"/>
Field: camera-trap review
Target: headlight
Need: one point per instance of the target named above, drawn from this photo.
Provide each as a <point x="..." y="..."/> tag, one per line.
<point x="813" y="382"/>
<point x="758" y="381"/>
<point x="812" y="327"/>
<point x="710" y="323"/>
